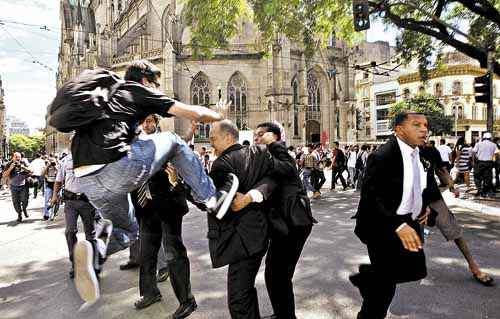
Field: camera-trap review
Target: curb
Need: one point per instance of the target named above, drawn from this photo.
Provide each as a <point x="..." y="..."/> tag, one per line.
<point x="476" y="206"/>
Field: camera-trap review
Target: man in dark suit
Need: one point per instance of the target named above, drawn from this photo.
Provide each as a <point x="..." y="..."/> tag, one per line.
<point x="397" y="189"/>
<point x="160" y="206"/>
<point x="289" y="213"/>
<point x="240" y="239"/>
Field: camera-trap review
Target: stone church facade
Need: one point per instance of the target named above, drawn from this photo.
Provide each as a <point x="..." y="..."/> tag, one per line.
<point x="312" y="97"/>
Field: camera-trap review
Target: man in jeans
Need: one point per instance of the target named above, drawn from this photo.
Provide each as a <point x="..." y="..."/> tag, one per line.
<point x="37" y="166"/>
<point x="308" y="172"/>
<point x="111" y="161"/>
<point x="17" y="172"/>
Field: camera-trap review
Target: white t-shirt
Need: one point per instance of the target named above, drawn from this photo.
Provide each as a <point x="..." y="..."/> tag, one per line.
<point x="445" y="152"/>
<point x="37" y="166"/>
<point x="351" y="161"/>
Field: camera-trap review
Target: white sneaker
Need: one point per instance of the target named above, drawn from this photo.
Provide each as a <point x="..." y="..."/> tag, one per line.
<point x="220" y="203"/>
<point x="86" y="281"/>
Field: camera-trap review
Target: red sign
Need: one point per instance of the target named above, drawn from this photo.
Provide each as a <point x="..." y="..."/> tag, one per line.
<point x="324" y="138"/>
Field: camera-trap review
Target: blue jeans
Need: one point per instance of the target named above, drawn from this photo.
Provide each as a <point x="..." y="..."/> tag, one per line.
<point x="306" y="179"/>
<point x="107" y="188"/>
<point x="47" y="212"/>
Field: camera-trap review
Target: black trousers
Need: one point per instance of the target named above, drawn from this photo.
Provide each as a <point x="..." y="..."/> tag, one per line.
<point x="20" y="196"/>
<point x="282" y="258"/>
<point x="336" y="174"/>
<point x="241" y="292"/>
<point x="318" y="180"/>
<point x="73" y="209"/>
<point x="484" y="181"/>
<point x="390" y="264"/>
<point x="153" y="230"/>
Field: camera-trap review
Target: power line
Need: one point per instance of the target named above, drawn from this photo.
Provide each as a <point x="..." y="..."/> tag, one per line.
<point x="35" y="60"/>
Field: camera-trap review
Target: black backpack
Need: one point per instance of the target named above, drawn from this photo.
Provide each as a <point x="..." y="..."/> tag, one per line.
<point x="83" y="100"/>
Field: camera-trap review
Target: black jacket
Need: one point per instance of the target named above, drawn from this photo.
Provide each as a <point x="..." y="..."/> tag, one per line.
<point x="382" y="192"/>
<point x="166" y="199"/>
<point x="287" y="204"/>
<point x="242" y="234"/>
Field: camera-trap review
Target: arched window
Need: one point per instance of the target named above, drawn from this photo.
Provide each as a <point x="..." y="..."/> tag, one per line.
<point x="313" y="93"/>
<point x="200" y="95"/>
<point x="295" y="88"/>
<point x="457" y="88"/>
<point x="237" y="94"/>
<point x="406" y="94"/>
<point x="438" y="90"/>
<point x="421" y="89"/>
<point x="460" y="109"/>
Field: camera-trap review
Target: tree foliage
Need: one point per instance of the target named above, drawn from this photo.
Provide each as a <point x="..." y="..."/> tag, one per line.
<point x="425" y="26"/>
<point x="29" y="145"/>
<point x="439" y="123"/>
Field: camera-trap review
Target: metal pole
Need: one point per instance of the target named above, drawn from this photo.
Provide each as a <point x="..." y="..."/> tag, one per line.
<point x="489" y="107"/>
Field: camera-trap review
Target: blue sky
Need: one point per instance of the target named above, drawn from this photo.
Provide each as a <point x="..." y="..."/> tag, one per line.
<point x="28" y="86"/>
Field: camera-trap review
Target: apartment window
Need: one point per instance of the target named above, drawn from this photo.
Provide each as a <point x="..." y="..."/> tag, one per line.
<point x="382" y="115"/>
<point x="438" y="90"/>
<point x="385" y="99"/>
<point x="406" y="94"/>
<point x="457" y="88"/>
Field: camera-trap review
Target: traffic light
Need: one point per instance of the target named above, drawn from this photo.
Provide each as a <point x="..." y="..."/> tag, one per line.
<point x="482" y="86"/>
<point x="361" y="12"/>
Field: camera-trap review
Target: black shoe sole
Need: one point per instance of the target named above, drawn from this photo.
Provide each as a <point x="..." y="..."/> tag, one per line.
<point x="149" y="303"/>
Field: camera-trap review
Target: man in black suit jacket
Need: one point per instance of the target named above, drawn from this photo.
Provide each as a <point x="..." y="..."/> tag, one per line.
<point x="397" y="188"/>
<point x="239" y="239"/>
<point x="289" y="213"/>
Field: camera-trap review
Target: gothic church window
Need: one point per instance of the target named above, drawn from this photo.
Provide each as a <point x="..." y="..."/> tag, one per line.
<point x="237" y="94"/>
<point x="200" y="95"/>
<point x="313" y="93"/>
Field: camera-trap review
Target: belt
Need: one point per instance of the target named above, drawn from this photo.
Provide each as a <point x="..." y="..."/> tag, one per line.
<point x="67" y="195"/>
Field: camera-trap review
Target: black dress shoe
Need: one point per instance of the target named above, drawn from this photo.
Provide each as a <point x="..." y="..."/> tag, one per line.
<point x="71" y="274"/>
<point x="162" y="275"/>
<point x="26" y="214"/>
<point x="129" y="265"/>
<point x="145" y="302"/>
<point x="185" y="309"/>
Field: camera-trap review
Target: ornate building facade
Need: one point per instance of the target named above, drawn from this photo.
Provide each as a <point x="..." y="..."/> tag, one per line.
<point x="454" y="86"/>
<point x="312" y="97"/>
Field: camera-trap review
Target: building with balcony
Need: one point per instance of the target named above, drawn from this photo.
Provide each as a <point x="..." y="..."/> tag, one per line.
<point x="312" y="97"/>
<point x="453" y="84"/>
<point x="385" y="95"/>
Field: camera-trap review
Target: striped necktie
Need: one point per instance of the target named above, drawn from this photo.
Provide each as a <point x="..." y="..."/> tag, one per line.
<point x="143" y="194"/>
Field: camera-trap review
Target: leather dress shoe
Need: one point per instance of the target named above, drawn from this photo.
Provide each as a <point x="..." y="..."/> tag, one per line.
<point x="145" y="302"/>
<point x="185" y="309"/>
<point x="129" y="265"/>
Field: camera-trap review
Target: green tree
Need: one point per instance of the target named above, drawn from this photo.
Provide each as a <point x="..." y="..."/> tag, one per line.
<point x="29" y="145"/>
<point x="425" y="26"/>
<point x="439" y="123"/>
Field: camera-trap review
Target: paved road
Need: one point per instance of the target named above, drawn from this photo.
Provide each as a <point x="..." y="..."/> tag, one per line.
<point x="34" y="281"/>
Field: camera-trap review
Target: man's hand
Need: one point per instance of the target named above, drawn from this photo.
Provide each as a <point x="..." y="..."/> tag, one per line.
<point x="240" y="201"/>
<point x="425" y="217"/>
<point x="53" y="201"/>
<point x="409" y="238"/>
<point x="222" y="106"/>
<point x="268" y="138"/>
<point x="172" y="174"/>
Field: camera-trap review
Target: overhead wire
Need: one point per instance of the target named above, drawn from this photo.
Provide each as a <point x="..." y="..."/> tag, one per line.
<point x="35" y="59"/>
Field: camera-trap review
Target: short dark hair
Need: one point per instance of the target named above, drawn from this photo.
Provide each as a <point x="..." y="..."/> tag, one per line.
<point x="140" y="69"/>
<point x="228" y="127"/>
<point x="310" y="145"/>
<point x="271" y="127"/>
<point x="191" y="146"/>
<point x="401" y="117"/>
<point x="336" y="143"/>
<point x="246" y="143"/>
<point x="291" y="148"/>
<point x="442" y="141"/>
<point x="432" y="142"/>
